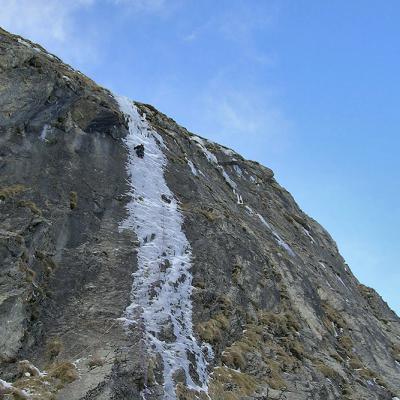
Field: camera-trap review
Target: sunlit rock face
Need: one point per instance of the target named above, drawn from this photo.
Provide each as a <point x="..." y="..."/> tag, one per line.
<point x="183" y="272"/>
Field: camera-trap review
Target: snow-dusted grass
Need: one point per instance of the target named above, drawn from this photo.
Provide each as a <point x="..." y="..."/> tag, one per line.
<point x="8" y="388"/>
<point x="5" y="384"/>
<point x="27" y="44"/>
<point x="162" y="284"/>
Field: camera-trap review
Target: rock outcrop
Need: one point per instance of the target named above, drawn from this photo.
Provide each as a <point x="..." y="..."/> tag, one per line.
<point x="184" y="274"/>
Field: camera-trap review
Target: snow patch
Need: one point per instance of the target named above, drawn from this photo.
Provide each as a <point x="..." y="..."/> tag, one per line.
<point x="24" y="42"/>
<point x="162" y="284"/>
<point x="27" y="44"/>
<point x="227" y="152"/>
<point x="8" y="387"/>
<point x="34" y="370"/>
<point x="5" y="384"/>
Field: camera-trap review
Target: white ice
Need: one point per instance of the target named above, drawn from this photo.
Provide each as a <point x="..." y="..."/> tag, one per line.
<point x="25" y="43"/>
<point x="278" y="239"/>
<point x="239" y="198"/>
<point x="249" y="210"/>
<point x="238" y="170"/>
<point x="5" y="384"/>
<point x="192" y="168"/>
<point x="213" y="160"/>
<point x="322" y="264"/>
<point x="228" y="180"/>
<point x="341" y="281"/>
<point x="162" y="284"/>
<point x="309" y="235"/>
<point x="200" y="142"/>
<point x="226" y="151"/>
<point x="8" y="386"/>
<point x="44" y="132"/>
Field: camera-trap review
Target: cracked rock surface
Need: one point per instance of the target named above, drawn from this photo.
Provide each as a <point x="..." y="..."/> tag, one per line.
<point x="271" y="295"/>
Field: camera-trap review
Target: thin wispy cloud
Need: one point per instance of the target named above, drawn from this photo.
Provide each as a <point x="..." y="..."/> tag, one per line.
<point x="241" y="24"/>
<point x="231" y="103"/>
<point x="56" y="24"/>
<point x="40" y="18"/>
<point x="247" y="116"/>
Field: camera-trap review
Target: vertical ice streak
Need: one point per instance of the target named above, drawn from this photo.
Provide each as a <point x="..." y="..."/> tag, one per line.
<point x="213" y="160"/>
<point x="162" y="284"/>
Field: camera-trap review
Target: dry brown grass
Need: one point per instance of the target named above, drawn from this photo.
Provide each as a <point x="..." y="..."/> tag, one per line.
<point x="96" y="361"/>
<point x="54" y="348"/>
<point x="228" y="384"/>
<point x="355" y="363"/>
<point x="333" y="315"/>
<point x="209" y="214"/>
<point x="396" y="352"/>
<point x="346" y="343"/>
<point x="65" y="372"/>
<point x="328" y="372"/>
<point x="31" y="206"/>
<point x="73" y="200"/>
<point x="184" y="393"/>
<point x="211" y="331"/>
<point x="11" y="191"/>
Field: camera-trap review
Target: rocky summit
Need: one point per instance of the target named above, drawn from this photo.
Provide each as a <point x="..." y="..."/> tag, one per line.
<point x="141" y="261"/>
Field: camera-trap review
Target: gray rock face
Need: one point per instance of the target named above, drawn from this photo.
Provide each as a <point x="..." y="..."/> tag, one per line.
<point x="272" y="296"/>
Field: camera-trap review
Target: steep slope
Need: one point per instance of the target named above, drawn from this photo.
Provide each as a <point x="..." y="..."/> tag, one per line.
<point x="188" y="273"/>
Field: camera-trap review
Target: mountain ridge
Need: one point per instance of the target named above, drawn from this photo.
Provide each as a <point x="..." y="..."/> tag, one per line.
<point x="270" y="293"/>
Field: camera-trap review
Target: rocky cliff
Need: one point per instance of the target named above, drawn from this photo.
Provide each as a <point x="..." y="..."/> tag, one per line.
<point x="188" y="273"/>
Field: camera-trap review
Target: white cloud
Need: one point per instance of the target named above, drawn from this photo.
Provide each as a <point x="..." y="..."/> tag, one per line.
<point x="56" y="24"/>
<point x="242" y="23"/>
<point x="247" y="116"/>
<point x="53" y="24"/>
<point x="40" y="19"/>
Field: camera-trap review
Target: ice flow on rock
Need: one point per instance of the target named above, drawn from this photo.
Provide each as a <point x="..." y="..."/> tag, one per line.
<point x="161" y="288"/>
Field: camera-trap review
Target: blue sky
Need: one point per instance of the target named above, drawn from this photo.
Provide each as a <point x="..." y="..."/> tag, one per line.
<point x="308" y="88"/>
